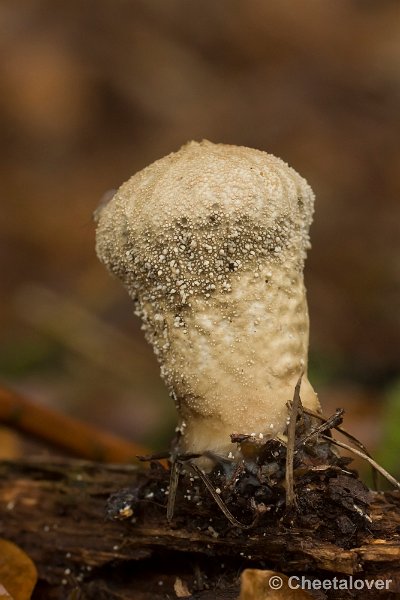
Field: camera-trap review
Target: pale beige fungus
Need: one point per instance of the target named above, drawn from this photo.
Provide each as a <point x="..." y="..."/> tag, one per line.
<point x="210" y="242"/>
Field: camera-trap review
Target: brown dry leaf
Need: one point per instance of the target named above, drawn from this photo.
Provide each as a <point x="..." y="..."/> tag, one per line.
<point x="4" y="595"/>
<point x="181" y="588"/>
<point x="268" y="585"/>
<point x="18" y="574"/>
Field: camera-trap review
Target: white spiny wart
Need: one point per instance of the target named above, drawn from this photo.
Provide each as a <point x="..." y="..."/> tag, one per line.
<point x="210" y="242"/>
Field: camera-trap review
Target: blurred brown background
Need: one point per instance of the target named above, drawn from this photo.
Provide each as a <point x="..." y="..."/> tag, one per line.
<point x="93" y="91"/>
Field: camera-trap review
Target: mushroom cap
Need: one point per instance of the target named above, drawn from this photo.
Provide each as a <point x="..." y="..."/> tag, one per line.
<point x="169" y="223"/>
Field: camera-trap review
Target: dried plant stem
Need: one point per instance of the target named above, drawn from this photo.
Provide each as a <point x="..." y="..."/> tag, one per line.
<point x="330" y="423"/>
<point x="340" y="429"/>
<point x="367" y="458"/>
<point x="290" y="496"/>
<point x="173" y="486"/>
<point x="349" y="436"/>
<point x="218" y="500"/>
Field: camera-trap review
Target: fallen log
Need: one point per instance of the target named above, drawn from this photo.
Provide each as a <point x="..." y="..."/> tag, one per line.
<point x="56" y="512"/>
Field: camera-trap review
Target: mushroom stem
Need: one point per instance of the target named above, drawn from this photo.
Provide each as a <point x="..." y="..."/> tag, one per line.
<point x="210" y="242"/>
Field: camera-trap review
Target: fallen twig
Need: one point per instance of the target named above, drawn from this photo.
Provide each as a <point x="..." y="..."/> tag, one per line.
<point x="64" y="432"/>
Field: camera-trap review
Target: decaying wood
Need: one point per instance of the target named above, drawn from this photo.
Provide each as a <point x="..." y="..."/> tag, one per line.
<point x="56" y="512"/>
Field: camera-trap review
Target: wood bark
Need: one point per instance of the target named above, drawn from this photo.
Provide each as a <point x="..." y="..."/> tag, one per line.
<point x="56" y="510"/>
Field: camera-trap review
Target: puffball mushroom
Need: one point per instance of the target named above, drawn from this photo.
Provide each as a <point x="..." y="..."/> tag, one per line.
<point x="210" y="242"/>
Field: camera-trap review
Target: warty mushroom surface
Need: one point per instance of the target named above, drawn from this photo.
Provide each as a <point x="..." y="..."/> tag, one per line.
<point x="210" y="242"/>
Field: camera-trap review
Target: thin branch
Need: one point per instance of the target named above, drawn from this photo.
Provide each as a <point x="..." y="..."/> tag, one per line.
<point x="64" y="432"/>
